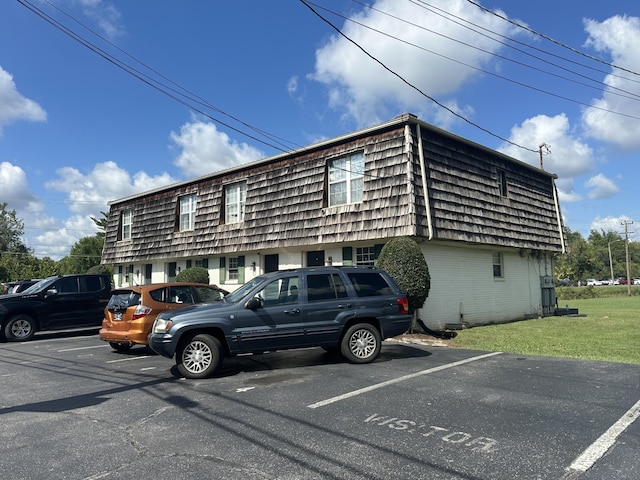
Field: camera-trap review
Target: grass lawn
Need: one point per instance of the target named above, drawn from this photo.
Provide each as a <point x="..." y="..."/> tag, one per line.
<point x="610" y="332"/>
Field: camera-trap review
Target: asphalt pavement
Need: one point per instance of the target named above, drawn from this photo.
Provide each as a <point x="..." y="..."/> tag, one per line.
<point x="73" y="408"/>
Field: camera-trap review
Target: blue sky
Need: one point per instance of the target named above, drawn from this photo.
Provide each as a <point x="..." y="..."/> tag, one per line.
<point x="77" y="130"/>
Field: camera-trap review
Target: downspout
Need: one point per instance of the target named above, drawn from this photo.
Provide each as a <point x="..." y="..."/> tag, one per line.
<point x="424" y="183"/>
<point x="558" y="217"/>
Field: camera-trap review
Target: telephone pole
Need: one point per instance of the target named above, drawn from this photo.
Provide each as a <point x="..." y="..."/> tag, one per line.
<point x="626" y="224"/>
<point x="547" y="151"/>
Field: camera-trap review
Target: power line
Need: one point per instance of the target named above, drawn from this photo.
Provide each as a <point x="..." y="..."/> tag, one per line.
<point x="441" y="105"/>
<point x="184" y="96"/>
<point x="502" y="77"/>
<point x="546" y="37"/>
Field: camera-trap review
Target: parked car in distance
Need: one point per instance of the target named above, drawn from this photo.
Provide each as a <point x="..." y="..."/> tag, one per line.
<point x="55" y="303"/>
<point x="593" y="282"/>
<point x="345" y="309"/>
<point x="131" y="311"/>
<point x="636" y="281"/>
<point x="19" y="286"/>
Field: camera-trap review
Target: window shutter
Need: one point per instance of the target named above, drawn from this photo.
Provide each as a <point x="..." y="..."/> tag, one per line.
<point x="223" y="270"/>
<point x="188" y="263"/>
<point x="347" y="256"/>
<point x="241" y="269"/>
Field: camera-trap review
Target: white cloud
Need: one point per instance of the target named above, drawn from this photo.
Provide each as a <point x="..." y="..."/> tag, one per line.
<point x="15" y="191"/>
<point x="104" y="14"/>
<point x="88" y="194"/>
<point x="613" y="224"/>
<point x="14" y="105"/>
<point x="601" y="187"/>
<point x="206" y="150"/>
<point x="619" y="36"/>
<point x="366" y="92"/>
<point x="568" y="156"/>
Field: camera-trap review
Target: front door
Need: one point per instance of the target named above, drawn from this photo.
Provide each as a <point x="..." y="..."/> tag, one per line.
<point x="277" y="323"/>
<point x="271" y="263"/>
<point x="315" y="259"/>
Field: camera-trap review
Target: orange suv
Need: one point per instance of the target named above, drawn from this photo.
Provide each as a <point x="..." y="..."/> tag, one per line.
<point x="131" y="311"/>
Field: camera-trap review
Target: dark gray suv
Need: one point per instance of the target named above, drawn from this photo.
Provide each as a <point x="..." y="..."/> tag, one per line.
<point x="345" y="309"/>
<point x="54" y="303"/>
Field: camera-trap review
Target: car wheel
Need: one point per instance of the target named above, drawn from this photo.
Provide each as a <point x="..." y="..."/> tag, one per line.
<point x="199" y="357"/>
<point x="120" y="347"/>
<point x="361" y="343"/>
<point x="20" y="328"/>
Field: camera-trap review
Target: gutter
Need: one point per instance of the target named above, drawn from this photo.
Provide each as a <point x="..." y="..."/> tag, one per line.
<point x="558" y="216"/>
<point x="425" y="191"/>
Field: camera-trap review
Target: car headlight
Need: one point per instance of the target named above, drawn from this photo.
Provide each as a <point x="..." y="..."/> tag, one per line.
<point x="161" y="325"/>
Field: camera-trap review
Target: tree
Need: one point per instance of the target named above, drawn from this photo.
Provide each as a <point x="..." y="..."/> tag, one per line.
<point x="101" y="224"/>
<point x="84" y="254"/>
<point x="11" y="230"/>
<point x="194" y="274"/>
<point x="402" y="258"/>
<point x="16" y="260"/>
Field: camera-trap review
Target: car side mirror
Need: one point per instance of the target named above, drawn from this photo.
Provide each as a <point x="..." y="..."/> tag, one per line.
<point x="51" y="292"/>
<point x="253" y="304"/>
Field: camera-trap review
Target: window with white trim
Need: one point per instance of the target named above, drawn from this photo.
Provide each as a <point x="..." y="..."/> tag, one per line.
<point x="127" y="222"/>
<point x="232" y="269"/>
<point x="365" y="256"/>
<point x="498" y="265"/>
<point x="235" y="196"/>
<point x="187" y="212"/>
<point x="346" y="179"/>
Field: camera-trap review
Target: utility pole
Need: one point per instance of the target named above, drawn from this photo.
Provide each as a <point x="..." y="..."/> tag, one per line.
<point x="547" y="151"/>
<point x="626" y="224"/>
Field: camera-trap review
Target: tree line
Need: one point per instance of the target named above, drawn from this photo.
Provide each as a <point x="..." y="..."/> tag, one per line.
<point x="596" y="257"/>
<point x="18" y="262"/>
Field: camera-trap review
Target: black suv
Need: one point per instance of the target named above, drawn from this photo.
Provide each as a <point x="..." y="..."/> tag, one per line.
<point x="57" y="302"/>
<point x="345" y="309"/>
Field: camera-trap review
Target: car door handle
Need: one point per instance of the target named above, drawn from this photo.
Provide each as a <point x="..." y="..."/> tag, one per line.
<point x="294" y="311"/>
<point x="344" y="305"/>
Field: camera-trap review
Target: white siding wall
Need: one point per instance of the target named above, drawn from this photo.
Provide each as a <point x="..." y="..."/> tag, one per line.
<point x="463" y="288"/>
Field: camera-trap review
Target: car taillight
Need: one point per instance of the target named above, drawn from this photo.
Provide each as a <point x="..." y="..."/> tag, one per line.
<point x="403" y="304"/>
<point x="141" y="311"/>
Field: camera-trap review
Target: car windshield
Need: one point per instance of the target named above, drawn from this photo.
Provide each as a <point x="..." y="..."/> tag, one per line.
<point x="243" y="290"/>
<point x="41" y="286"/>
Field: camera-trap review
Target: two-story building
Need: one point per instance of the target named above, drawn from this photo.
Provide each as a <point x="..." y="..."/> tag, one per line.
<point x="489" y="225"/>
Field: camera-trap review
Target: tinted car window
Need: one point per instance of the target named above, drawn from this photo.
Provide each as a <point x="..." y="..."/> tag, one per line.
<point x="180" y="294"/>
<point x="369" y="284"/>
<point x="159" y="294"/>
<point x="208" y="295"/>
<point x="67" y="285"/>
<point x="92" y="284"/>
<point x="325" y="286"/>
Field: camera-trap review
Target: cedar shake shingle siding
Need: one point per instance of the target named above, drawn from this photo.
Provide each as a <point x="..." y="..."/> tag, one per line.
<point x="287" y="200"/>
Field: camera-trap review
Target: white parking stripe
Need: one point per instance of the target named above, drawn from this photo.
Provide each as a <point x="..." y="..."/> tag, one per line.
<point x="128" y="359"/>
<point x="598" y="448"/>
<point x="81" y="348"/>
<point x="399" y="379"/>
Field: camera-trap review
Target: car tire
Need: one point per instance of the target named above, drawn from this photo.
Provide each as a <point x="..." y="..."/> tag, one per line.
<point x="20" y="328"/>
<point x="120" y="347"/>
<point x="361" y="343"/>
<point x="199" y="357"/>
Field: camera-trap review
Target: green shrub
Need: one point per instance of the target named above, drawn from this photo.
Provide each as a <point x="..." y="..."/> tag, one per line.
<point x="100" y="270"/>
<point x="402" y="258"/>
<point x="195" y="274"/>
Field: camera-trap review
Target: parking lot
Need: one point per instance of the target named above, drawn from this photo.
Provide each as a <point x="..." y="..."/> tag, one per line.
<point x="73" y="408"/>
